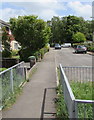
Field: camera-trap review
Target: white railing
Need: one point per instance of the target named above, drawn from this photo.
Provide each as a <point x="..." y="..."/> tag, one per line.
<point x="80" y="74"/>
<point x="11" y="79"/>
<point x="74" y="105"/>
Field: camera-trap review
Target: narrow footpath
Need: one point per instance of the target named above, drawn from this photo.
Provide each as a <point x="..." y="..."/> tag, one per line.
<point x="37" y="98"/>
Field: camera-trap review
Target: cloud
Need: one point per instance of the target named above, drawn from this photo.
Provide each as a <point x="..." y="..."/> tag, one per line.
<point x="41" y="9"/>
<point x="8" y="13"/>
<point x="81" y="9"/>
<point x="47" y="14"/>
<point x="46" y="9"/>
<point x="45" y="1"/>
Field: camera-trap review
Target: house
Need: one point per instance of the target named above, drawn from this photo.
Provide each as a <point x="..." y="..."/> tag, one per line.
<point x="13" y="43"/>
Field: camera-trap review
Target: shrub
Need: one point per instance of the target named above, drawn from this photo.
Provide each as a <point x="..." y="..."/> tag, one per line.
<point x="79" y="37"/>
<point x="25" y="53"/>
<point x="37" y="55"/>
<point x="6" y="53"/>
<point x="42" y="52"/>
<point x="14" y="52"/>
<point x="2" y="69"/>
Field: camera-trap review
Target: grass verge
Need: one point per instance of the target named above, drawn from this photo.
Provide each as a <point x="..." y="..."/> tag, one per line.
<point x="12" y="99"/>
<point x="61" y="108"/>
<point x="82" y="90"/>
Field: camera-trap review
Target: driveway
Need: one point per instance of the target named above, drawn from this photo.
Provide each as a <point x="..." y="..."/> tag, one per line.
<point x="67" y="57"/>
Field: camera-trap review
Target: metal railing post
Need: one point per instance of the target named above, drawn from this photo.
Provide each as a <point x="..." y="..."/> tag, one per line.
<point x="76" y="110"/>
<point x="11" y="80"/>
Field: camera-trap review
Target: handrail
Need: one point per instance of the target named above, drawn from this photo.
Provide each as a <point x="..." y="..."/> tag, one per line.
<point x="71" y="101"/>
<point x="84" y="101"/>
<point x="11" y="67"/>
<point x="77" y="66"/>
<point x="67" y="83"/>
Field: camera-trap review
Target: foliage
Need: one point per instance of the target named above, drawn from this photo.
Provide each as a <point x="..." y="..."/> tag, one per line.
<point x="61" y="108"/>
<point x="25" y="53"/>
<point x="79" y="37"/>
<point x="39" y="54"/>
<point x="9" y="102"/>
<point x="84" y="91"/>
<point x="6" y="43"/>
<point x="2" y="69"/>
<point x="56" y="29"/>
<point x="32" y="33"/>
<point x="9" y="97"/>
<point x="64" y="28"/>
<point x="6" y="53"/>
<point x="15" y="52"/>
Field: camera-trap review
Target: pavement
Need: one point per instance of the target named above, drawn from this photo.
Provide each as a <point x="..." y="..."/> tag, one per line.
<point x="91" y="53"/>
<point x="37" y="98"/>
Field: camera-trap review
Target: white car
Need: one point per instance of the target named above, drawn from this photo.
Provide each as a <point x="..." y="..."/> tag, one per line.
<point x="66" y="45"/>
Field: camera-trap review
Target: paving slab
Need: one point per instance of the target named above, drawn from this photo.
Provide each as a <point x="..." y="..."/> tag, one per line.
<point x="31" y="103"/>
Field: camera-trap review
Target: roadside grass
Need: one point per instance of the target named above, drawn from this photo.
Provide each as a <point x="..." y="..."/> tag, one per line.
<point x="16" y="57"/>
<point x="12" y="99"/>
<point x="31" y="72"/>
<point x="61" y="108"/>
<point x="83" y="91"/>
<point x="8" y="97"/>
<point x="2" y="69"/>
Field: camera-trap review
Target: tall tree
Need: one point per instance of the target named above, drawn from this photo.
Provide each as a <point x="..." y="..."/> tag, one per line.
<point x="56" y="28"/>
<point x="6" y="43"/>
<point x="31" y="32"/>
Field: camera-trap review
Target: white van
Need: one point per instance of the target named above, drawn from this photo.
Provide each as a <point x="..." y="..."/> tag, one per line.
<point x="66" y="45"/>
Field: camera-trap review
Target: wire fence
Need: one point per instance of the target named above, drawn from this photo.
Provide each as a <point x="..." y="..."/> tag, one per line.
<point x="10" y="80"/>
<point x="77" y="108"/>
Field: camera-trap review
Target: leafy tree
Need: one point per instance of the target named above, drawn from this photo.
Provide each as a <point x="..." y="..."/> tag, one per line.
<point x="79" y="37"/>
<point x="73" y="24"/>
<point x="32" y="33"/>
<point x="6" y="43"/>
<point x="56" y="29"/>
<point x="64" y="28"/>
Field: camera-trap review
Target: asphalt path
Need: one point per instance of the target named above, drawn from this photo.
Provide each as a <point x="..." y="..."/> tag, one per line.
<point x="67" y="57"/>
<point x="31" y="103"/>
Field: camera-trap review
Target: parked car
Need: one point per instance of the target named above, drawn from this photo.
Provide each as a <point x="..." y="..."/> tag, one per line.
<point x="66" y="45"/>
<point x="80" y="49"/>
<point x="57" y="46"/>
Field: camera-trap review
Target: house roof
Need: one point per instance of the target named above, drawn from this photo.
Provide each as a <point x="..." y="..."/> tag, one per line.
<point x="3" y="23"/>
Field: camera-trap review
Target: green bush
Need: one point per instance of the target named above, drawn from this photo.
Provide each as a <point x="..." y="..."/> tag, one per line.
<point x="42" y="52"/>
<point x="25" y="53"/>
<point x="78" y="37"/>
<point x="61" y="108"/>
<point x="6" y="53"/>
<point x="84" y="91"/>
<point x="2" y="69"/>
<point x="37" y="55"/>
<point x="14" y="52"/>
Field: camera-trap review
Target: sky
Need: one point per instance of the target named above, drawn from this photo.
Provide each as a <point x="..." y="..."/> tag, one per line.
<point x="45" y="9"/>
